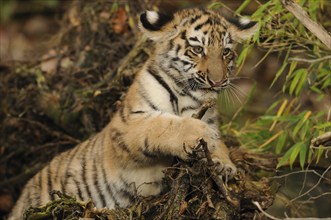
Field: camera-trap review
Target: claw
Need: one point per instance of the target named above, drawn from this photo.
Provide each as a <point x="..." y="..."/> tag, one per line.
<point x="228" y="170"/>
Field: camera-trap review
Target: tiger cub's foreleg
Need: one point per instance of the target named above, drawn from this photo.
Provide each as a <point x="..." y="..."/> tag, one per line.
<point x="167" y="134"/>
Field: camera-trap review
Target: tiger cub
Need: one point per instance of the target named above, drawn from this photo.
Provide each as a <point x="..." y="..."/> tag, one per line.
<point x="192" y="62"/>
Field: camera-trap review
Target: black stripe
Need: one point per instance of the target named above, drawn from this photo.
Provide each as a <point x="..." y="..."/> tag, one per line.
<point x="189" y="53"/>
<point x="96" y="184"/>
<point x="173" y="97"/>
<point x="174" y="68"/>
<point x="149" y="102"/>
<point x="126" y="192"/>
<point x="31" y="196"/>
<point x="108" y="187"/>
<point x="66" y="176"/>
<point x="195" y="19"/>
<point x="83" y="174"/>
<point x="194" y="39"/>
<point x="171" y="44"/>
<point x="49" y="182"/>
<point x="200" y="80"/>
<point x="203" y="39"/>
<point x="210" y="121"/>
<point x="104" y="179"/>
<point x="178" y="49"/>
<point x="149" y="155"/>
<point x="187" y="93"/>
<point x="79" y="191"/>
<point x="146" y="151"/>
<point x="122" y="145"/>
<point x="183" y="35"/>
<point x="116" y="137"/>
<point x="125" y="183"/>
<point x="179" y="83"/>
<point x="58" y="169"/>
<point x="199" y="26"/>
<point x="138" y="112"/>
<point x="186" y="108"/>
<point x="185" y="62"/>
<point x="206" y="12"/>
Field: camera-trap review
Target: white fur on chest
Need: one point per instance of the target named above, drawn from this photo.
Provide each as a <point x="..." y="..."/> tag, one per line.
<point x="156" y="93"/>
<point x="147" y="178"/>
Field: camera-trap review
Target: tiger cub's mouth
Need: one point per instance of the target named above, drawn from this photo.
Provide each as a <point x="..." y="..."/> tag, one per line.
<point x="221" y="84"/>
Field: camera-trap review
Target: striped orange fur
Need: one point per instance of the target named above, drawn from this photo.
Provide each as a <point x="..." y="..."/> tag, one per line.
<point x="192" y="62"/>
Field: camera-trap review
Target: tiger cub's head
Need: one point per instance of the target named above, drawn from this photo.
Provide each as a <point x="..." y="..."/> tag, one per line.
<point x="195" y="46"/>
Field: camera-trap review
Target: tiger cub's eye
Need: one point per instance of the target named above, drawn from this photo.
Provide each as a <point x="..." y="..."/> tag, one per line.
<point x="226" y="51"/>
<point x="197" y="49"/>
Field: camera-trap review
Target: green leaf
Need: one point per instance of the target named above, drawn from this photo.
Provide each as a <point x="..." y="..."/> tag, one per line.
<point x="256" y="37"/>
<point x="327" y="82"/>
<point x="215" y="5"/>
<point x="302" y="81"/>
<point x="303" y="154"/>
<point x="242" y="6"/>
<point x="292" y="68"/>
<point x="304" y="130"/>
<point x="317" y="90"/>
<point x="260" y="11"/>
<point x="285" y="158"/>
<point x="243" y="55"/>
<point x="323" y="126"/>
<point x="295" y="152"/>
<point x="280" y="143"/>
<point x="281" y="70"/>
<point x="273" y="106"/>
<point x="297" y="75"/>
<point x="303" y="119"/>
<point x="310" y="155"/>
<point x="319" y="153"/>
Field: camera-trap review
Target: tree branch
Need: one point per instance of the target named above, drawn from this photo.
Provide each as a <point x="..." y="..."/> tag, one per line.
<point x="317" y="29"/>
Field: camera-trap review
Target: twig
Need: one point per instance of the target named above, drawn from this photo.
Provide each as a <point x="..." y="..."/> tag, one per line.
<point x="203" y="144"/>
<point x="300" y="171"/>
<point x="316" y="197"/>
<point x="324" y="139"/>
<point x="317" y="29"/>
<point x="275" y="218"/>
<point x="312" y="188"/>
<point x="207" y="105"/>
<point x="263" y="212"/>
<point x="219" y="182"/>
<point x="309" y="61"/>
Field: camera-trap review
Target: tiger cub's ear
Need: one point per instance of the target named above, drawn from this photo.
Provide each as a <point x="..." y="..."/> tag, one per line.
<point x="154" y="24"/>
<point x="241" y="28"/>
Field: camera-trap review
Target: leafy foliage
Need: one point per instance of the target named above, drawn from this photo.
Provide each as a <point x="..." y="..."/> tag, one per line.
<point x="288" y="126"/>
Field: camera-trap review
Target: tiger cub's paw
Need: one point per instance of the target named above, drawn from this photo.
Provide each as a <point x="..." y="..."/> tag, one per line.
<point x="195" y="130"/>
<point x="225" y="168"/>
